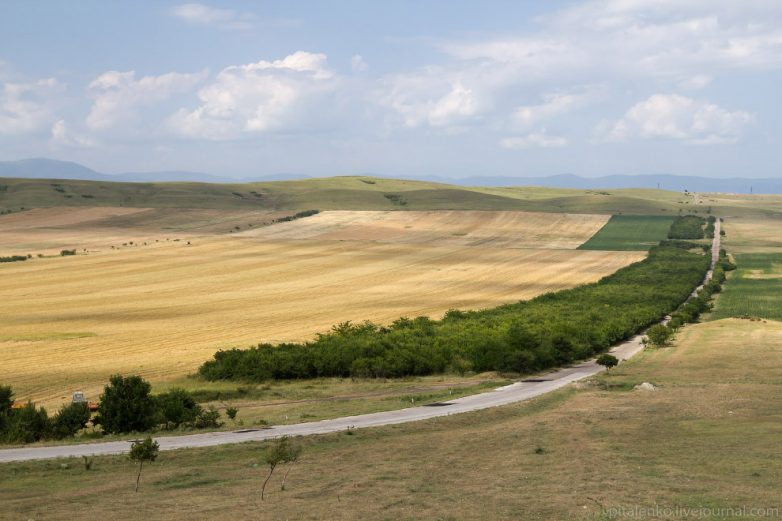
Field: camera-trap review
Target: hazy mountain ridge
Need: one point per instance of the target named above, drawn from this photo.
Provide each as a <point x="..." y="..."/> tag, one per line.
<point x="42" y="168"/>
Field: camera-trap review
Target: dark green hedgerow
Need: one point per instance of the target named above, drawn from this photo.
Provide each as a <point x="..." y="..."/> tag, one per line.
<point x="687" y="227"/>
<point x="550" y="330"/>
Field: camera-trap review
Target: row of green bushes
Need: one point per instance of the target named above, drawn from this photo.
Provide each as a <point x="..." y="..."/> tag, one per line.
<point x="126" y="405"/>
<point x="28" y="424"/>
<point x="709" y="230"/>
<point x="549" y="330"/>
<point x="659" y="334"/>
<point x="687" y="227"/>
<point x="14" y="258"/>
<point x="298" y="215"/>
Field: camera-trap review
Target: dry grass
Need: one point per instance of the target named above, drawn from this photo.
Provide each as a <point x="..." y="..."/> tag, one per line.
<point x="753" y="235"/>
<point x="466" y="228"/>
<point x="48" y="230"/>
<point x="708" y="437"/>
<point x="161" y="310"/>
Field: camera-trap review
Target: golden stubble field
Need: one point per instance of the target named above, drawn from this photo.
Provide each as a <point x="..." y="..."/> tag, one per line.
<point x="161" y="310"/>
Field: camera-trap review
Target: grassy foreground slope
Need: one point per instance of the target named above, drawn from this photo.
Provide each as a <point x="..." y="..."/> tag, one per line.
<point x="368" y="193"/>
<point x="629" y="232"/>
<point x="581" y="453"/>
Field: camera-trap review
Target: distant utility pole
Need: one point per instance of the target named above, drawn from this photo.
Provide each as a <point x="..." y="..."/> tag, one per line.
<point x="750" y="189"/>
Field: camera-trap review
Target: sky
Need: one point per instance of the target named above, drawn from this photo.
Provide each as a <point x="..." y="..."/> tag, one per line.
<point x="403" y="88"/>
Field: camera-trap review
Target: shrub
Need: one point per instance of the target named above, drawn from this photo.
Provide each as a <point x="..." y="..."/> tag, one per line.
<point x="14" y="258"/>
<point x="658" y="335"/>
<point x="126" y="406"/>
<point x="27" y="425"/>
<point x="687" y="227"/>
<point x="65" y="253"/>
<point x="177" y="407"/>
<point x="231" y="412"/>
<point x="209" y="418"/>
<point x="607" y="360"/>
<point x="70" y="419"/>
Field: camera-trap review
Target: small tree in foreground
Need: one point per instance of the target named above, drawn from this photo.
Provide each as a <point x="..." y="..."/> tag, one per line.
<point x="607" y="361"/>
<point x="141" y="451"/>
<point x="282" y="450"/>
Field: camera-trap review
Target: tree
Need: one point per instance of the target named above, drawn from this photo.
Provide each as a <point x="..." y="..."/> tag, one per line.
<point x="282" y="450"/>
<point x="6" y="401"/>
<point x="658" y="335"/>
<point x="177" y="407"/>
<point x="608" y="361"/>
<point x="126" y="406"/>
<point x="141" y="451"/>
<point x="70" y="419"/>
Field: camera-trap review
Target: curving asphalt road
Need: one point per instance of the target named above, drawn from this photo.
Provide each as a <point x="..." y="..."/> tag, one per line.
<point x="516" y="392"/>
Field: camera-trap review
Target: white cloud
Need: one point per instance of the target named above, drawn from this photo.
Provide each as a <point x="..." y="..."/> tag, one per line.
<point x="555" y="104"/>
<point x="433" y="98"/>
<point x="534" y="140"/>
<point x="62" y="135"/>
<point x="665" y="39"/>
<point x="456" y="105"/>
<point x="200" y="14"/>
<point x="26" y="108"/>
<point x="118" y="96"/>
<point x="697" y="82"/>
<point x="357" y="63"/>
<point x="257" y="97"/>
<point x="672" y="116"/>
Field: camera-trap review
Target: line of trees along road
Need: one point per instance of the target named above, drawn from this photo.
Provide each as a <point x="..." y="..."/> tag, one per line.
<point x="549" y="330"/>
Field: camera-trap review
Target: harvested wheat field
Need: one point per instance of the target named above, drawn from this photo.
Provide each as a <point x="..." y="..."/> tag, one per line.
<point x="46" y="231"/>
<point x="160" y="310"/>
<point x="466" y="228"/>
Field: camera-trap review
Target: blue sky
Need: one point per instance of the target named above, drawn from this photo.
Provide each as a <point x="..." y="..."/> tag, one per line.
<point x="448" y="88"/>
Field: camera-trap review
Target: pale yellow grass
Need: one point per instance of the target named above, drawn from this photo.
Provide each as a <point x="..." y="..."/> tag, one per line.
<point x="753" y="235"/>
<point x="48" y="230"/>
<point x="467" y="228"/>
<point x="162" y="310"/>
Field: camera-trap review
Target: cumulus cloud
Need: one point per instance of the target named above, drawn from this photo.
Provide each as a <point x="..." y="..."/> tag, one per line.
<point x="534" y="140"/>
<point x="358" y="64"/>
<point x="676" y="117"/>
<point x="555" y="104"/>
<point x="118" y="96"/>
<point x="638" y="38"/>
<point x="27" y="107"/>
<point x="200" y="14"/>
<point x="433" y="98"/>
<point x="257" y="97"/>
<point x="64" y="136"/>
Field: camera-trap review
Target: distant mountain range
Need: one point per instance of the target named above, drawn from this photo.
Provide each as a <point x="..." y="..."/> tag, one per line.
<point x="41" y="168"/>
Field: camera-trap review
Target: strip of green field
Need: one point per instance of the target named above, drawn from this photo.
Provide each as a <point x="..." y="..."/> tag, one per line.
<point x="754" y="290"/>
<point x="630" y="232"/>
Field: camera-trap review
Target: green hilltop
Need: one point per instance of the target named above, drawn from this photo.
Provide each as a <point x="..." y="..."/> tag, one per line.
<point x="367" y="193"/>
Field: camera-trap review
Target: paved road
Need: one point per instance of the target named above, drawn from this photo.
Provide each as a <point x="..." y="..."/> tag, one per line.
<point x="516" y="392"/>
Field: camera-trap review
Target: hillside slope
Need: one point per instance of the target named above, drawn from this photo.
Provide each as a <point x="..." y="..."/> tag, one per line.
<point x="368" y="193"/>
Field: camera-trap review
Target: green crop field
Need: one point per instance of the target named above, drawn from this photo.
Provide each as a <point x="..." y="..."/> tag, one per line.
<point x="629" y="232"/>
<point x="755" y="290"/>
